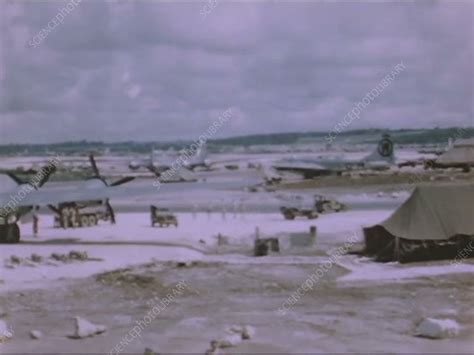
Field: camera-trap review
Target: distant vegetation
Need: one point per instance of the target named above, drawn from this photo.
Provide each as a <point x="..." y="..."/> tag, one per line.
<point x="401" y="136"/>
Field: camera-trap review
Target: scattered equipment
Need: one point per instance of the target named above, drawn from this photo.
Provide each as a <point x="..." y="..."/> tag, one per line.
<point x="163" y="217"/>
<point x="87" y="214"/>
<point x="73" y="215"/>
<point x="263" y="246"/>
<point x="321" y="204"/>
<point x="325" y="205"/>
<point x="291" y="213"/>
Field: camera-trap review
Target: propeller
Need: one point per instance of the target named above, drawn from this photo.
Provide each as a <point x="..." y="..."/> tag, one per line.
<point x="121" y="181"/>
<point x="95" y="169"/>
<point x="44" y="173"/>
<point x="54" y="209"/>
<point x="118" y="182"/>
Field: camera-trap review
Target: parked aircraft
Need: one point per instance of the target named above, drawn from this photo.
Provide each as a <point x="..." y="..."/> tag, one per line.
<point x="19" y="196"/>
<point x="160" y="166"/>
<point x="97" y="204"/>
<point x="381" y="159"/>
<point x="199" y="160"/>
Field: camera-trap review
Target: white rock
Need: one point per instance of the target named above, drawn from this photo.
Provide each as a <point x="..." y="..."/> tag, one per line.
<point x="5" y="332"/>
<point x="3" y="327"/>
<point x="437" y="328"/>
<point x="229" y="341"/>
<point x="237" y="329"/>
<point x="214" y="349"/>
<point x="248" y="332"/>
<point x="36" y="334"/>
<point x="85" y="329"/>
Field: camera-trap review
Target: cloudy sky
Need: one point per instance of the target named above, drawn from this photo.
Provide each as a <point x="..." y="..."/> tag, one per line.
<point x="148" y="70"/>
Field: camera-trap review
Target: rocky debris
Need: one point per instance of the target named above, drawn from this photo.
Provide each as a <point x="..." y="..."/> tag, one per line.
<point x="214" y="349"/>
<point x="188" y="264"/>
<point x="227" y="341"/>
<point x="36" y="334"/>
<point x="127" y="277"/>
<point x="183" y="264"/>
<point x="55" y="259"/>
<point x="230" y="340"/>
<point x="59" y="257"/>
<point x="84" y="328"/>
<point x="222" y="240"/>
<point x="246" y="332"/>
<point x="15" y="259"/>
<point x="6" y="332"/>
<point x="29" y="263"/>
<point x="78" y="255"/>
<point x="437" y="328"/>
<point x="235" y="335"/>
<point x="36" y="258"/>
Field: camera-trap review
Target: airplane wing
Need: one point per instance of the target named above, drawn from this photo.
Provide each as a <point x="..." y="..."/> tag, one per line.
<point x="156" y="171"/>
<point x="227" y="161"/>
<point x="307" y="169"/>
<point x="299" y="165"/>
<point x="46" y="196"/>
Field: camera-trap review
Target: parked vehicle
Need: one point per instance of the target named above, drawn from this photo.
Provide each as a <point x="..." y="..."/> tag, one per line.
<point x="74" y="216"/>
<point x="163" y="217"/>
<point x="325" y="205"/>
<point x="291" y="213"/>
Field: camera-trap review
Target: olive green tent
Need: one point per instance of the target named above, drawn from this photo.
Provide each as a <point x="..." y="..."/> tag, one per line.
<point x="436" y="222"/>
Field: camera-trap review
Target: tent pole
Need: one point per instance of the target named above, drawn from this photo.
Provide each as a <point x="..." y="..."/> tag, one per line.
<point x="396" y="250"/>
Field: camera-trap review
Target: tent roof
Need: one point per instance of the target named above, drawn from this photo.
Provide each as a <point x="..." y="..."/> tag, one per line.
<point x="434" y="212"/>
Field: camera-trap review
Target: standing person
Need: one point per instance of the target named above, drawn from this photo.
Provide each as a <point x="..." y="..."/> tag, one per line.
<point x="35" y="221"/>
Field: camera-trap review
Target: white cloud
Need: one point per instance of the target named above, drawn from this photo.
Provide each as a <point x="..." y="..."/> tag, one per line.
<point x="283" y="66"/>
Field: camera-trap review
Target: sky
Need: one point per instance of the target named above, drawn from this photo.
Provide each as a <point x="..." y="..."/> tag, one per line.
<point x="156" y="71"/>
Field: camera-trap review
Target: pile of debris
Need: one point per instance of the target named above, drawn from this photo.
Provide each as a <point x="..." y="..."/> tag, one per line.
<point x="235" y="334"/>
<point x="128" y="277"/>
<point x="53" y="260"/>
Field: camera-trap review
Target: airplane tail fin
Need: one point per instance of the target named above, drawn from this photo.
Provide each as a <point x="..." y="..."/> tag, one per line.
<point x="201" y="153"/>
<point x="384" y="152"/>
<point x="153" y="155"/>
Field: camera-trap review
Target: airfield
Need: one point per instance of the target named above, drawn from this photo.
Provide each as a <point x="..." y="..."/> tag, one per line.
<point x="357" y="305"/>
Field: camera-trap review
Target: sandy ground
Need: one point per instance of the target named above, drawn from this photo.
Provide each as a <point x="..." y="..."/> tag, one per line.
<point x="334" y="317"/>
<point x="357" y="306"/>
